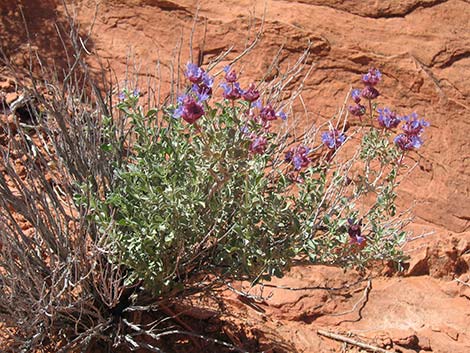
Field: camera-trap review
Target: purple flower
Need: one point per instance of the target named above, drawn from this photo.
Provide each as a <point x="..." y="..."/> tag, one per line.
<point x="192" y="111"/>
<point x="136" y="92"/>
<point x="268" y="113"/>
<point x="357" y="109"/>
<point x="201" y="94"/>
<point x="414" y="126"/>
<point x="265" y="114"/>
<point x="333" y="138"/>
<point x="203" y="88"/>
<point x="356" y="95"/>
<point x="207" y="82"/>
<point x="360" y="241"/>
<point x="251" y="94"/>
<point x="231" y="91"/>
<point x="230" y="75"/>
<point x="122" y="95"/>
<point x="194" y="73"/>
<point x="178" y="112"/>
<point x="258" y="145"/>
<point x="282" y="115"/>
<point x="408" y="142"/>
<point x="372" y="77"/>
<point x="369" y="92"/>
<point x="298" y="156"/>
<point x="245" y="130"/>
<point x="354" y="231"/>
<point x="258" y="104"/>
<point x="188" y="109"/>
<point x="388" y="119"/>
<point x="201" y="80"/>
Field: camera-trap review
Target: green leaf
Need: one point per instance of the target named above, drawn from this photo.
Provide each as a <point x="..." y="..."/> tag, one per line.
<point x="107" y="147"/>
<point x="151" y="112"/>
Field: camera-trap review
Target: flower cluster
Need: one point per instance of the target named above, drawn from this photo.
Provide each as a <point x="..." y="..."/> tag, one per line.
<point x="333" y="139"/>
<point x="258" y="142"/>
<point x="371" y="79"/>
<point x="189" y="108"/>
<point x="259" y="113"/>
<point x="232" y="91"/>
<point x="354" y="231"/>
<point x="388" y="119"/>
<point x="263" y="115"/>
<point x="357" y="109"/>
<point x="412" y="129"/>
<point x="369" y="92"/>
<point x="231" y="87"/>
<point x="298" y="157"/>
<point x="190" y="105"/>
<point x="201" y="80"/>
<point x="251" y="94"/>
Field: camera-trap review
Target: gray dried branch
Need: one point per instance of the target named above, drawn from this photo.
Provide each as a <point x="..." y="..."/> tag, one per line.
<point x="351" y="341"/>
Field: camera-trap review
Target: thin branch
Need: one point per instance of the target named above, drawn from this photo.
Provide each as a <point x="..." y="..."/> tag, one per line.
<point x="346" y="286"/>
<point x="351" y="341"/>
<point x="364" y="298"/>
<point x="462" y="282"/>
<point x="157" y="336"/>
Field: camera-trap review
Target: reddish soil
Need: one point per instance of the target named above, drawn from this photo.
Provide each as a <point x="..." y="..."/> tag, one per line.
<point x="423" y="49"/>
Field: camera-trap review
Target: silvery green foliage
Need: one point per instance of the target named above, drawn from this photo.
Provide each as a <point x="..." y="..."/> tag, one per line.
<point x="211" y="187"/>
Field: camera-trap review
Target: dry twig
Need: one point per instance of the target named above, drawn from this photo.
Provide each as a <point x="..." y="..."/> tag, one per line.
<point x="364" y="298"/>
<point x="351" y="341"/>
